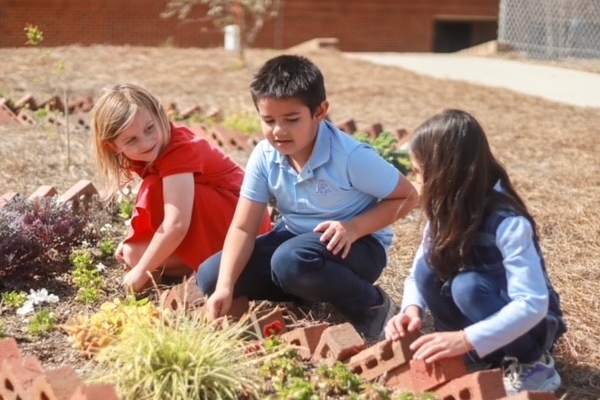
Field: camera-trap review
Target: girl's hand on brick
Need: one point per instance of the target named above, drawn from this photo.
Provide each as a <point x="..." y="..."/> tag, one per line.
<point x="401" y="324"/>
<point x="438" y="345"/>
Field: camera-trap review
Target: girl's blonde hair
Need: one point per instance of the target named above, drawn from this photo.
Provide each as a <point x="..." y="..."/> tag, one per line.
<point x="111" y="115"/>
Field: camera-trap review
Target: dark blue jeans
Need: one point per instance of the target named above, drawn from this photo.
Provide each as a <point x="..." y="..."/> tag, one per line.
<point x="470" y="297"/>
<point x="289" y="267"/>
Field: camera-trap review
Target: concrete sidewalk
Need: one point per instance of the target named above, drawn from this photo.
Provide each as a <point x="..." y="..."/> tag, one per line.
<point x="558" y="84"/>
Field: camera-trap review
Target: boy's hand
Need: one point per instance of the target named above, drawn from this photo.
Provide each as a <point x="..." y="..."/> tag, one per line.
<point x="219" y="303"/>
<point x="338" y="236"/>
<point x="399" y="326"/>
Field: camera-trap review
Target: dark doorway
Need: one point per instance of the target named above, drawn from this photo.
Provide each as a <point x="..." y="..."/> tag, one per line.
<point x="452" y="36"/>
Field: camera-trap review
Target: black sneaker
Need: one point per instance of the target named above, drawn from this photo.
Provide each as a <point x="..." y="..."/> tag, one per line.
<point x="373" y="328"/>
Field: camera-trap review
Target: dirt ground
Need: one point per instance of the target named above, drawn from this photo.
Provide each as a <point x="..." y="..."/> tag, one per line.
<point x="551" y="151"/>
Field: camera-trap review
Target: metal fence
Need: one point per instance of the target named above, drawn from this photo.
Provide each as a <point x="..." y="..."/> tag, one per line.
<point x="551" y="29"/>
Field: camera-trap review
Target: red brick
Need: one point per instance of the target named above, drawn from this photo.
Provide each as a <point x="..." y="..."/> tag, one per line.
<point x="184" y="295"/>
<point x="80" y="194"/>
<point x="56" y="384"/>
<point x="348" y="126"/>
<point x="482" y="385"/>
<point x="230" y="140"/>
<point x="26" y="117"/>
<point x="17" y="376"/>
<point x="426" y="376"/>
<point x="374" y="130"/>
<point x="43" y="191"/>
<point x="7" y="116"/>
<point x="6" y="197"/>
<point x="399" y="378"/>
<point x="96" y="392"/>
<point x="378" y="359"/>
<point x="27" y="101"/>
<point x="338" y="343"/>
<point x="9" y="349"/>
<point x="531" y="396"/>
<point x="306" y="338"/>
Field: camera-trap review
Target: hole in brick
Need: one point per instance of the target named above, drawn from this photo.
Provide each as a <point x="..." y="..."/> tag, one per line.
<point x="371" y="362"/>
<point x="357" y="370"/>
<point x="386" y="352"/>
<point x="44" y="396"/>
<point x="464" y="394"/>
<point x="449" y="398"/>
<point x="296" y="342"/>
<point x="8" y="385"/>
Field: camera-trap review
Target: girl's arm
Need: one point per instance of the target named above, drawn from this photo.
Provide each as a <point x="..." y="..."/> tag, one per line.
<point x="527" y="289"/>
<point x="238" y="247"/>
<point x="178" y="196"/>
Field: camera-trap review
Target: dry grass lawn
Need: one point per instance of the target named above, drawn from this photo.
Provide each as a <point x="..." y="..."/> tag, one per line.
<point x="551" y="151"/>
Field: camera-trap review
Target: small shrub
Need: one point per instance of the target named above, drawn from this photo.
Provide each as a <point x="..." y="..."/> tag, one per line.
<point x="14" y="299"/>
<point x="86" y="276"/>
<point x="180" y="358"/>
<point x="39" y="232"/>
<point x="107" y="248"/>
<point x="246" y="122"/>
<point x="42" y="322"/>
<point x="126" y="208"/>
<point x="385" y="144"/>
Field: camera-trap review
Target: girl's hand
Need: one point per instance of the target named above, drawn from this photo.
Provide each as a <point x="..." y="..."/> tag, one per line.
<point x="338" y="236"/>
<point x="119" y="252"/>
<point x="136" y="279"/>
<point x="219" y="303"/>
<point x="438" y="345"/>
<point x="399" y="326"/>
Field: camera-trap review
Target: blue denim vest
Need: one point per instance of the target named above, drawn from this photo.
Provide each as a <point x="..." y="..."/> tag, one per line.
<point x="487" y="257"/>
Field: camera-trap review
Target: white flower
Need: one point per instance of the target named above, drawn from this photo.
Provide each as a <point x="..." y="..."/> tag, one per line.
<point x="27" y="308"/>
<point x="100" y="267"/>
<point x="106" y="228"/>
<point x="41" y="296"/>
<point x="127" y="222"/>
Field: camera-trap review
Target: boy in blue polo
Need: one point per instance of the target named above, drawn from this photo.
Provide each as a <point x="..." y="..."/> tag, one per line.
<point x="337" y="198"/>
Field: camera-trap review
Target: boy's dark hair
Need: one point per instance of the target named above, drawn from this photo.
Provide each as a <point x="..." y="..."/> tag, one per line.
<point x="288" y="76"/>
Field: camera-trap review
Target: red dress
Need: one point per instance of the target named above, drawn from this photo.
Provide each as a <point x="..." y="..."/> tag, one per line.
<point x="217" y="179"/>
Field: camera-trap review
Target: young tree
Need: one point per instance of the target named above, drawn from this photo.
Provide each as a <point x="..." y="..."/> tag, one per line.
<point x="249" y="15"/>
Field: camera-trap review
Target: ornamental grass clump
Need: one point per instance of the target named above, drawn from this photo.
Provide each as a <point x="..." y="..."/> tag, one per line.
<point x="181" y="358"/>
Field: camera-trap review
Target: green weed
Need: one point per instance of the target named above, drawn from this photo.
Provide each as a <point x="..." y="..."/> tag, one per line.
<point x="43" y="321"/>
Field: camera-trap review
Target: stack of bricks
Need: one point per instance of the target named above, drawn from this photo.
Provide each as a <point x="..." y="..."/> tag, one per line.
<point x="24" y="378"/>
<point x="80" y="195"/>
<point x="388" y="362"/>
<point x="21" y="112"/>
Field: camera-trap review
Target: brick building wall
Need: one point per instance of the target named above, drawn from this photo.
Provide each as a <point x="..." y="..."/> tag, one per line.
<point x="360" y="25"/>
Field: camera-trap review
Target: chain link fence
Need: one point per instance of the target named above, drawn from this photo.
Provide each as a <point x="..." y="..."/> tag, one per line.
<point x="550" y="29"/>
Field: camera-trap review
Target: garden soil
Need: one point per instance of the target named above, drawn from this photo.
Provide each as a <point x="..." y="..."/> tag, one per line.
<point x="550" y="150"/>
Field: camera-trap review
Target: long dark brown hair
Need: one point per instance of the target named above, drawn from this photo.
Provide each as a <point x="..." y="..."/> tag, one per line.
<point x="459" y="173"/>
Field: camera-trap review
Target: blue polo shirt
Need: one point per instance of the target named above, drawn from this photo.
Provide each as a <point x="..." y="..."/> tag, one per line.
<point x="342" y="179"/>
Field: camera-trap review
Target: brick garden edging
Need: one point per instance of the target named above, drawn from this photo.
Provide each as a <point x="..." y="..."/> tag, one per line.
<point x="391" y="363"/>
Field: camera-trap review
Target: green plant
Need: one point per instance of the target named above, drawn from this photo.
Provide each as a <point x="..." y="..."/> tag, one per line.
<point x="2" y="334"/>
<point x="14" y="299"/>
<point x="126" y="208"/>
<point x="43" y="321"/>
<point x="245" y="122"/>
<point x="385" y="144"/>
<point x="180" y="357"/>
<point x="107" y="248"/>
<point x="86" y="276"/>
